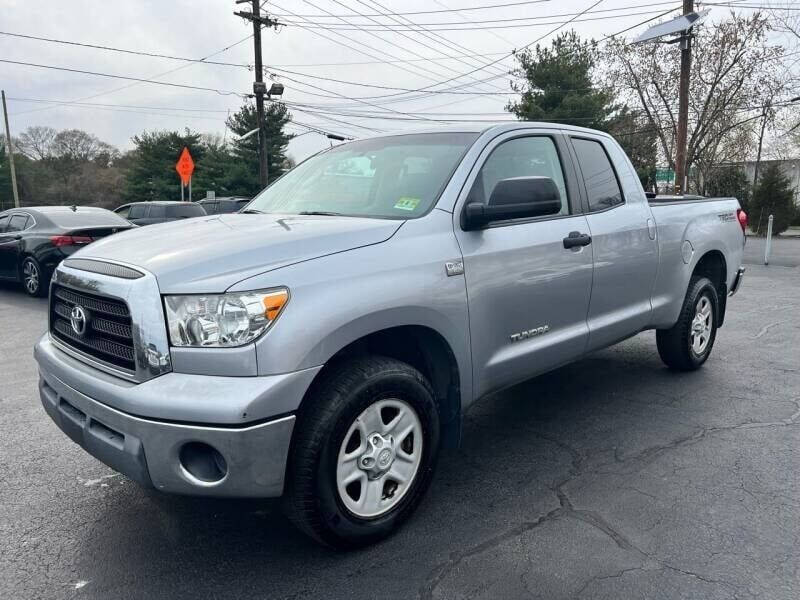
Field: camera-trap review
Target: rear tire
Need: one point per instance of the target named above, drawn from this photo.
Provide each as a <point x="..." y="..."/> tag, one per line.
<point x="687" y="344"/>
<point x="34" y="280"/>
<point x="356" y="413"/>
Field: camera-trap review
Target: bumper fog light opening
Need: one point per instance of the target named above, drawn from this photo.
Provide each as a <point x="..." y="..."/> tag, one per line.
<point x="202" y="464"/>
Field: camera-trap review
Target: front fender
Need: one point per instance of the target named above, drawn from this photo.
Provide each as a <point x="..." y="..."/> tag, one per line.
<point x="337" y="299"/>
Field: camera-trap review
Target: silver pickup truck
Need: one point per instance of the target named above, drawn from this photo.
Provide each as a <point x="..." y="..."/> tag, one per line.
<point x="325" y="343"/>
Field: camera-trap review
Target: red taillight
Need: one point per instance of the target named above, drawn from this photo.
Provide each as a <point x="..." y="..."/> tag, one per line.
<point x="70" y="240"/>
<point x="742" y="216"/>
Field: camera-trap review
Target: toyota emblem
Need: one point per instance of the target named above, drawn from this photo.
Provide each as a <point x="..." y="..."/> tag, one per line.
<point x="78" y="320"/>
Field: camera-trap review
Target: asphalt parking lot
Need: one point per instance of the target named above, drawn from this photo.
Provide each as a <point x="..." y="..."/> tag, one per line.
<point x="609" y="478"/>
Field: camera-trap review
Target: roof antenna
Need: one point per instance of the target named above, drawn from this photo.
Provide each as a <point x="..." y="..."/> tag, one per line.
<point x="73" y="208"/>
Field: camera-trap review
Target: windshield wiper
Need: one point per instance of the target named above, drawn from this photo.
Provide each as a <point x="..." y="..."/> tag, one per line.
<point x="252" y="211"/>
<point x="324" y="213"/>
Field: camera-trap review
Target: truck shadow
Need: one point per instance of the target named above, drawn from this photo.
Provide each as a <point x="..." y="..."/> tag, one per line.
<point x="517" y="446"/>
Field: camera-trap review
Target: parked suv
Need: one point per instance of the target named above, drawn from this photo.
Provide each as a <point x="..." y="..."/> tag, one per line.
<point x="148" y="213"/>
<point x="218" y="206"/>
<point x="324" y="343"/>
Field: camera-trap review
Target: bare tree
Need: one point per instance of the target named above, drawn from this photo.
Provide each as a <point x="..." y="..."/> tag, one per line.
<point x="734" y="69"/>
<point x="37" y="142"/>
<point x="77" y="145"/>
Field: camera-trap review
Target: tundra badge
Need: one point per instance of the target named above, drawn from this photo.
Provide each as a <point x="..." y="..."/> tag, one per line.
<point x="529" y="333"/>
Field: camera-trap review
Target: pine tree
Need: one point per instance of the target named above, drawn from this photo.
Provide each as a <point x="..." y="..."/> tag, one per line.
<point x="729" y="181"/>
<point x="773" y="196"/>
<point x="152" y="175"/>
<point x="557" y="84"/>
<point x="244" y="171"/>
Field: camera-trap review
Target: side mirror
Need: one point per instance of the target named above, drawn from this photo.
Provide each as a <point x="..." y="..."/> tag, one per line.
<point x="515" y="198"/>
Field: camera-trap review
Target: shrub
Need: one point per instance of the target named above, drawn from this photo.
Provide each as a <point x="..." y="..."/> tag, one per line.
<point x="773" y="196"/>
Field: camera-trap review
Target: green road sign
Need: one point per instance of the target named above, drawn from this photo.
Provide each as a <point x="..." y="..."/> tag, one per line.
<point x="665" y="175"/>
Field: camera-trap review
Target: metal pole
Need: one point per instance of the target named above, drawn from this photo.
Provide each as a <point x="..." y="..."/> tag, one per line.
<point x="190" y="188"/>
<point x="681" y="176"/>
<point x="760" y="143"/>
<point x="263" y="167"/>
<point x="181" y="190"/>
<point x="10" y="151"/>
<point x="768" y="247"/>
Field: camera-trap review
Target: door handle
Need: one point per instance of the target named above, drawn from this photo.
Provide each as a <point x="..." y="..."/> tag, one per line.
<point x="576" y="239"/>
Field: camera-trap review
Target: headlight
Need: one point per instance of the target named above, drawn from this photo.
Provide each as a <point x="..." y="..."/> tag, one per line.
<point x="222" y="320"/>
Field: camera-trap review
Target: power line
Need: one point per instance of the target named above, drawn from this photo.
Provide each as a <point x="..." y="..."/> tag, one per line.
<point x="489" y="21"/>
<point x="398" y="29"/>
<point x="398" y="63"/>
<point x="597" y="2"/>
<point x="167" y="72"/>
<point x="125" y="77"/>
<point x="378" y="86"/>
<point x="380" y="39"/>
<point x="383" y="62"/>
<point x="122" y="50"/>
<point x="430" y="12"/>
<point x="425" y="32"/>
<point x="401" y="33"/>
<point x="102" y="105"/>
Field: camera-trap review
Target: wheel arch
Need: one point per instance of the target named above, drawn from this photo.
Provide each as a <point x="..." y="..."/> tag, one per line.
<point x="425" y="349"/>
<point x="712" y="265"/>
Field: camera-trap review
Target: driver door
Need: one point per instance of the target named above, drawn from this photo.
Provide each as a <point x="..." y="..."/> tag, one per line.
<point x="528" y="293"/>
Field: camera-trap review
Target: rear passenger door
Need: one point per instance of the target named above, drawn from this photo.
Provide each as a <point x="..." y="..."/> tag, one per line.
<point x="528" y="294"/>
<point x="623" y="241"/>
<point x="11" y="245"/>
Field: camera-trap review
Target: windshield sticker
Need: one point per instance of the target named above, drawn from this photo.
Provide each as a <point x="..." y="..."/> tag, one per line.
<point x="406" y="203"/>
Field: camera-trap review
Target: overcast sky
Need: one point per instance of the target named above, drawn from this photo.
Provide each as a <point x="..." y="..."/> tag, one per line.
<point x="199" y="28"/>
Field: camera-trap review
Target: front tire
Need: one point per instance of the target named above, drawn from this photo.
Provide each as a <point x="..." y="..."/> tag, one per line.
<point x="33" y="278"/>
<point x="687" y="344"/>
<point x="363" y="453"/>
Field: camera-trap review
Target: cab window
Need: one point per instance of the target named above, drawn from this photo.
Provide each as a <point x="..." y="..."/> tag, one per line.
<point x="4" y="223"/>
<point x="534" y="156"/>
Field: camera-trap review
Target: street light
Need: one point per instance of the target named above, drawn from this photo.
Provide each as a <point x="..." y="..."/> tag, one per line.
<point x="248" y="134"/>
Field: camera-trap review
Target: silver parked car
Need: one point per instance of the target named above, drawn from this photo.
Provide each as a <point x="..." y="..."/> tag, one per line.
<point x="324" y="343"/>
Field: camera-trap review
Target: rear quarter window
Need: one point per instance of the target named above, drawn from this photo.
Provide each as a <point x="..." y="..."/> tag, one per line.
<point x="18" y="223"/>
<point x="602" y="185"/>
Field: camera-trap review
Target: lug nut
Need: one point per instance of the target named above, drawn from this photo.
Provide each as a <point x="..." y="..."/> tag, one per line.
<point x="367" y="462"/>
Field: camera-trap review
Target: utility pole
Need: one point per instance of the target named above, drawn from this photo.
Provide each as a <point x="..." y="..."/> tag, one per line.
<point x="683" y="104"/>
<point x="760" y="143"/>
<point x="10" y="151"/>
<point x="259" y="88"/>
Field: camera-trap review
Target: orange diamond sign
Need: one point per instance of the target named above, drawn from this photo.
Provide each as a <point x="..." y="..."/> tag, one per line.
<point x="185" y="166"/>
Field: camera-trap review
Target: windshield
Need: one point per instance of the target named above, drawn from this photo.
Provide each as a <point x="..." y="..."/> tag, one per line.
<point x="398" y="177"/>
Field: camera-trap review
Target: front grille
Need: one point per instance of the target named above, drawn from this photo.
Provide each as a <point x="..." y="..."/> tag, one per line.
<point x="108" y="335"/>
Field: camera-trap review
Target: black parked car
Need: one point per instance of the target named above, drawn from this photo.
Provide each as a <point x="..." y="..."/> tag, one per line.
<point x="34" y="240"/>
<point x="148" y="213"/>
<point x="218" y="206"/>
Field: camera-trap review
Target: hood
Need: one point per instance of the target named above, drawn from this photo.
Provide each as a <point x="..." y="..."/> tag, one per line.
<point x="210" y="254"/>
